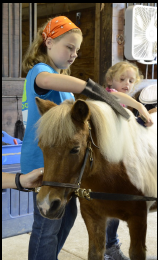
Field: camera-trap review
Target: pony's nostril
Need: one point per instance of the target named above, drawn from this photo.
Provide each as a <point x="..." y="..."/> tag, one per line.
<point x="55" y="204"/>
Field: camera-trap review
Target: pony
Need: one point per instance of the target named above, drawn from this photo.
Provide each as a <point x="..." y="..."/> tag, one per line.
<point x="125" y="163"/>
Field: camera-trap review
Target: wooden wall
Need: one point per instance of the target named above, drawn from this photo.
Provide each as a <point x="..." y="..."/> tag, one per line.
<point x="117" y="30"/>
<point x="12" y="85"/>
<point x="83" y="67"/>
<point x="105" y="41"/>
<point x="10" y="32"/>
<point x="108" y="29"/>
<point x="11" y="89"/>
<point x="101" y="23"/>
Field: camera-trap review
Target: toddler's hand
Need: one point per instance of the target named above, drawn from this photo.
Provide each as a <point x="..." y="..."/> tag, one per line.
<point x="143" y="111"/>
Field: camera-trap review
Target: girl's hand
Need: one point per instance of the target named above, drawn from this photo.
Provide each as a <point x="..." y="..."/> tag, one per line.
<point x="143" y="111"/>
<point x="129" y="101"/>
<point x="33" y="179"/>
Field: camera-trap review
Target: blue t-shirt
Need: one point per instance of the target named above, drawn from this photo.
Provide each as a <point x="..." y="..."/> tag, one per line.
<point x="31" y="154"/>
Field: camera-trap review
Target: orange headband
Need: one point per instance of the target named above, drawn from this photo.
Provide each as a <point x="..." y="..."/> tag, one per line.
<point x="58" y="26"/>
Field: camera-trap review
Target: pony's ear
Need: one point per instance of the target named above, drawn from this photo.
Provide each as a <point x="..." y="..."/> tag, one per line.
<point x="44" y="105"/>
<point x="80" y="111"/>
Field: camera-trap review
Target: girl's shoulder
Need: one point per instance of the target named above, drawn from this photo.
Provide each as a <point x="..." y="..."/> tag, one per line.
<point x="110" y="89"/>
<point x="44" y="66"/>
<point x="38" y="68"/>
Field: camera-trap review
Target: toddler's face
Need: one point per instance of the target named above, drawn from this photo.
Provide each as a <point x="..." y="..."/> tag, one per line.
<point x="125" y="82"/>
<point x="64" y="52"/>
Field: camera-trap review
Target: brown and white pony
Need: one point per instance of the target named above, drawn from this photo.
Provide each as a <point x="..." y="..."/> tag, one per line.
<point x="125" y="163"/>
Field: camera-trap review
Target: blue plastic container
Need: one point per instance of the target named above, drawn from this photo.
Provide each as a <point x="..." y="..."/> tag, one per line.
<point x="17" y="212"/>
<point x="6" y="138"/>
<point x="11" y="154"/>
<point x="17" y="206"/>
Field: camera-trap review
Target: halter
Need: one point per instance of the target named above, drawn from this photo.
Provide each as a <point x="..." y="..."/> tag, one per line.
<point x="88" y="152"/>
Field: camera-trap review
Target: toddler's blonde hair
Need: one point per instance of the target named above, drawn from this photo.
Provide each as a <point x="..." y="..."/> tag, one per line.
<point x="116" y="70"/>
<point x="37" y="52"/>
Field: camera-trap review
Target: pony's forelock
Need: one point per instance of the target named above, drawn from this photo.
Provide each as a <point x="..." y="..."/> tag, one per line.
<point x="56" y="126"/>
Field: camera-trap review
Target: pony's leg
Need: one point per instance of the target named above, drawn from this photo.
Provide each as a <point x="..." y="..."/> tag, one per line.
<point x="96" y="226"/>
<point x="137" y="228"/>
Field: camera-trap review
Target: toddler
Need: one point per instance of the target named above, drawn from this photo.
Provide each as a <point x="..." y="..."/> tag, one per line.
<point x="122" y="77"/>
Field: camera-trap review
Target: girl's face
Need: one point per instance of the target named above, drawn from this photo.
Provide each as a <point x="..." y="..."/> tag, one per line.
<point x="125" y="82"/>
<point x="63" y="52"/>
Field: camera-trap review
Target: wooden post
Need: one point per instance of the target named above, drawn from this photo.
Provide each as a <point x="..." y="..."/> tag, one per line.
<point x="10" y="40"/>
<point x="105" y="40"/>
<point x="12" y="85"/>
<point x="97" y="43"/>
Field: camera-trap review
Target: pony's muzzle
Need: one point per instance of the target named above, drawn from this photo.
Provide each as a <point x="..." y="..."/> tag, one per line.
<point x="55" y="205"/>
<point x="51" y="209"/>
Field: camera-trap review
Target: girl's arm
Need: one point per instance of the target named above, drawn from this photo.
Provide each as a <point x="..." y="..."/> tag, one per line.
<point x="31" y="180"/>
<point x="8" y="180"/>
<point x="60" y="82"/>
<point x="129" y="101"/>
<point x="90" y="88"/>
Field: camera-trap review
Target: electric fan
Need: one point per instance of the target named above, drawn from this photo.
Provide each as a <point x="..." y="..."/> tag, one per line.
<point x="141" y="34"/>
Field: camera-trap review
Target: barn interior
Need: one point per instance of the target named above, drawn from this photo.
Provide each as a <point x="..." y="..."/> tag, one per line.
<point x="102" y="25"/>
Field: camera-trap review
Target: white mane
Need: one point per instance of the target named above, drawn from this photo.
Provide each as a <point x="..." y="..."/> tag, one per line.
<point x="127" y="141"/>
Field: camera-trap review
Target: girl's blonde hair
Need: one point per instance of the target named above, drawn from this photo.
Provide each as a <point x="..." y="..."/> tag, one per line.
<point x="37" y="52"/>
<point x="116" y="70"/>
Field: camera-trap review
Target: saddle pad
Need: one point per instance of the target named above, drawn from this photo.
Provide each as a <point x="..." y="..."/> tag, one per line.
<point x="149" y="95"/>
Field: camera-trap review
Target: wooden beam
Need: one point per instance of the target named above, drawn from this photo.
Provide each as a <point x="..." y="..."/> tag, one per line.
<point x="105" y="40"/>
<point x="51" y="9"/>
<point x="12" y="88"/>
<point x="118" y="29"/>
<point x="10" y="40"/>
<point x="97" y="43"/>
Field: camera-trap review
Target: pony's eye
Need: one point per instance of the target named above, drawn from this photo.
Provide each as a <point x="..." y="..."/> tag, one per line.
<point x="75" y="150"/>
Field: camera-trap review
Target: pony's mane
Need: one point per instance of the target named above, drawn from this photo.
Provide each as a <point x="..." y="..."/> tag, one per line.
<point x="112" y="130"/>
<point x="55" y="126"/>
<point x="115" y="135"/>
<point x="129" y="142"/>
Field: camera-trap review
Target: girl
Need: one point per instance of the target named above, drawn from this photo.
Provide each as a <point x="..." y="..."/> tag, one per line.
<point x="121" y="78"/>
<point x="47" y="65"/>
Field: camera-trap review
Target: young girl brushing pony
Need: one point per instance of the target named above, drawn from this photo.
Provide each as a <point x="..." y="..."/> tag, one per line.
<point x="121" y="78"/>
<point x="47" y="63"/>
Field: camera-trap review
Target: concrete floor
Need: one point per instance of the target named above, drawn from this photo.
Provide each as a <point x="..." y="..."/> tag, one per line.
<point x="76" y="245"/>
